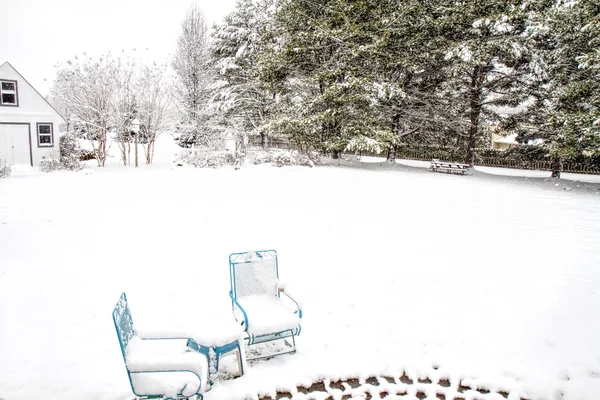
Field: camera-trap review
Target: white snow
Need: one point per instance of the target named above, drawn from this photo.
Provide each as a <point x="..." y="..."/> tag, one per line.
<point x="495" y="280"/>
<point x="523" y="173"/>
<point x="165" y="355"/>
<point x="268" y="314"/>
<point x="207" y="330"/>
<point x="567" y="176"/>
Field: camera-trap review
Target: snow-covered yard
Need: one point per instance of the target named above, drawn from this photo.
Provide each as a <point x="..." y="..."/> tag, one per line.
<point x="484" y="278"/>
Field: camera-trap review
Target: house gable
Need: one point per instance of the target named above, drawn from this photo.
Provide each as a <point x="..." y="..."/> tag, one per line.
<point x="30" y="101"/>
<point x="29" y="126"/>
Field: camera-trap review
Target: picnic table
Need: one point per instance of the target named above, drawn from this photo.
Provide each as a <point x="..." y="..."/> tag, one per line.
<point x="448" y="167"/>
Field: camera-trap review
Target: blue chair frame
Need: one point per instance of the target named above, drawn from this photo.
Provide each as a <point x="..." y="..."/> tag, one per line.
<point x="217" y="352"/>
<point x="239" y="260"/>
<point x="125" y="331"/>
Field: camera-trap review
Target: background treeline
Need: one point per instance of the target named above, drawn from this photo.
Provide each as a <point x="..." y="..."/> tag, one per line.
<point x="372" y="75"/>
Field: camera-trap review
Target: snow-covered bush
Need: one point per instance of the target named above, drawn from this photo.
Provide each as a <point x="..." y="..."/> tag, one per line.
<point x="285" y="157"/>
<point x="70" y="152"/>
<point x="262" y="157"/>
<point x="309" y="159"/>
<point x="86" y="155"/>
<point x="282" y="158"/>
<point x="49" y="165"/>
<point x="207" y="159"/>
<point x="5" y="169"/>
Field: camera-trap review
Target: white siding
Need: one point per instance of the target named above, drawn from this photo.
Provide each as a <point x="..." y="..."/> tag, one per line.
<point x="32" y="110"/>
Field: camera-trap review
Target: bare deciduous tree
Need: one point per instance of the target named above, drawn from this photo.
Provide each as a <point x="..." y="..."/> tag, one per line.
<point x="154" y="109"/>
<point x="85" y="88"/>
<point x="124" y="105"/>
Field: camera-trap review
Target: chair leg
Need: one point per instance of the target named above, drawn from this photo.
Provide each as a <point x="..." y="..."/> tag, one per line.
<point x="217" y="359"/>
<point x="240" y="361"/>
<point x="293" y="345"/>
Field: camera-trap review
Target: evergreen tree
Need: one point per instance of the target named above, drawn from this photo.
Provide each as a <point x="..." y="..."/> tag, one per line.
<point x="320" y="68"/>
<point x="489" y="61"/>
<point x="572" y="113"/>
<point x="235" y="47"/>
<point x="406" y="62"/>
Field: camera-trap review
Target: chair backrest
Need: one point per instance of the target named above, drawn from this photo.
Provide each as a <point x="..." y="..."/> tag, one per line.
<point x="123" y="323"/>
<point x="254" y="272"/>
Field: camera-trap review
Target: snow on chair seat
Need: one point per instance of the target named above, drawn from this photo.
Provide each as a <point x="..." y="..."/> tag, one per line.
<point x="267" y="314"/>
<point x="258" y="303"/>
<point x="165" y="355"/>
<point x="158" y="367"/>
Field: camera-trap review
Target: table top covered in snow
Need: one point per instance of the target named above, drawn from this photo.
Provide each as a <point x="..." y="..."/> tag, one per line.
<point x="207" y="331"/>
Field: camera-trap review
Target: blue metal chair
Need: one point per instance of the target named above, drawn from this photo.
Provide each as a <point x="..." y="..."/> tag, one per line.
<point x="178" y="374"/>
<point x="258" y="304"/>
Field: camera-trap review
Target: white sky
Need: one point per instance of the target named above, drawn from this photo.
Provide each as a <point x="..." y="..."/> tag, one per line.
<point x="38" y="34"/>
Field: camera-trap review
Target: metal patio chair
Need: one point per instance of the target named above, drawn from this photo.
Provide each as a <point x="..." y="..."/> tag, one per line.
<point x="260" y="305"/>
<point x="159" y="367"/>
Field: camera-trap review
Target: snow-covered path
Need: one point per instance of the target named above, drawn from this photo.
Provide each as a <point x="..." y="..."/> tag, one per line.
<point x="488" y="279"/>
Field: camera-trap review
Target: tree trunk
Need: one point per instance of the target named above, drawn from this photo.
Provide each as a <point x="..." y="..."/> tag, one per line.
<point x="136" y="149"/>
<point x="123" y="148"/>
<point x="150" y="151"/>
<point x="557" y="166"/>
<point x="391" y="155"/>
<point x="474" y="112"/>
<point x="336" y="154"/>
<point x="101" y="153"/>
<point x="472" y="143"/>
<point x="264" y="141"/>
<point x="123" y="154"/>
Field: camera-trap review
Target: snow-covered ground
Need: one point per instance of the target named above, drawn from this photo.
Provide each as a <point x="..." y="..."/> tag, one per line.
<point x="489" y="279"/>
<point x="514" y="172"/>
<point x="523" y="173"/>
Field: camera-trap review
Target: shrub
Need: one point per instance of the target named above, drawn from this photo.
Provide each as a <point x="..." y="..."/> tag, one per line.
<point x="49" y="165"/>
<point x="5" y="169"/>
<point x="70" y="152"/>
<point x="207" y="159"/>
<point x="262" y="157"/>
<point x="86" y="155"/>
<point x="284" y="157"/>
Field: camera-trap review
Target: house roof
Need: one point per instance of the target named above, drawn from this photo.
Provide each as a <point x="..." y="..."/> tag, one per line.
<point x="26" y="81"/>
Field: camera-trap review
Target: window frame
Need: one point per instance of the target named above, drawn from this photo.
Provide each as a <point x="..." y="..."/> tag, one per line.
<point x="16" y="93"/>
<point x="38" y="134"/>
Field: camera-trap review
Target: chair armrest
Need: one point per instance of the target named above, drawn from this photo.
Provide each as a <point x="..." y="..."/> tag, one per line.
<point x="194" y="345"/>
<point x="299" y="310"/>
<point x="235" y="302"/>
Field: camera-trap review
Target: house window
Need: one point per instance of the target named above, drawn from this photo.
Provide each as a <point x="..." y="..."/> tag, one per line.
<point x="45" y="135"/>
<point x="8" y="93"/>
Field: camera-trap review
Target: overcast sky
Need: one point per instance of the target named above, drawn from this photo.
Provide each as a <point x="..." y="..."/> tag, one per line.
<point x="37" y="34"/>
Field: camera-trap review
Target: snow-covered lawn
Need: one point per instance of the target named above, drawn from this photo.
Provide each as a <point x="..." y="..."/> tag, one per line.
<point x="485" y="278"/>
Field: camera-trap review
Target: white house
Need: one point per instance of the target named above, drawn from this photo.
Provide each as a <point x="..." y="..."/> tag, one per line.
<point x="28" y="123"/>
<point x="504" y="142"/>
